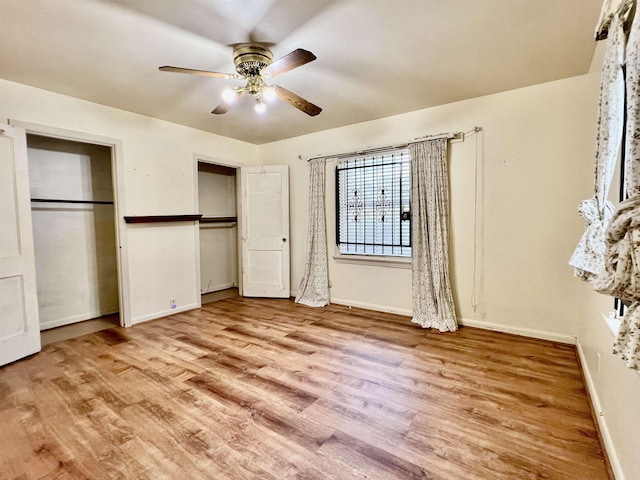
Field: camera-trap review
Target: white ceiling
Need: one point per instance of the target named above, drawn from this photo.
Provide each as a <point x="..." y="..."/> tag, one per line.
<point x="375" y="57"/>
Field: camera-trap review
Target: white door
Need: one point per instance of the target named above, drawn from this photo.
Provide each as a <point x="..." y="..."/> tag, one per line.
<point x="265" y="231"/>
<point x="19" y="325"/>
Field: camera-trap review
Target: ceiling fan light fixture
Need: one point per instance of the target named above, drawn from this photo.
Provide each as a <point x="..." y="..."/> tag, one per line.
<point x="229" y="94"/>
<point x="269" y="93"/>
<point x="260" y="107"/>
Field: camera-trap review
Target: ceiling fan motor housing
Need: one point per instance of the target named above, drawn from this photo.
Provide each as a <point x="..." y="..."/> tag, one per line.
<point x="251" y="58"/>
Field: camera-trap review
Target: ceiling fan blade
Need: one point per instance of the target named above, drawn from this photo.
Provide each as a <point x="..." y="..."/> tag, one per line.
<point x="226" y="105"/>
<point x="295" y="59"/>
<point x="297" y="101"/>
<point x="207" y="73"/>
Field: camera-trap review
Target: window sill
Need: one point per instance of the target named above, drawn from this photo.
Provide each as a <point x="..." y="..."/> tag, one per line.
<point x="612" y="321"/>
<point x="375" y="260"/>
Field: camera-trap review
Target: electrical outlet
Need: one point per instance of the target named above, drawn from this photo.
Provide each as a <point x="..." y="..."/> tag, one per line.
<point x="172" y="302"/>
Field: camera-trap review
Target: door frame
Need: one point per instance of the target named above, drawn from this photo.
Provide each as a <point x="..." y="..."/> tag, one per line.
<point x="200" y="158"/>
<point x="117" y="169"/>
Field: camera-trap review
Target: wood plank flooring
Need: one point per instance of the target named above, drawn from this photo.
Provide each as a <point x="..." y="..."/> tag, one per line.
<point x="74" y="330"/>
<point x="267" y="389"/>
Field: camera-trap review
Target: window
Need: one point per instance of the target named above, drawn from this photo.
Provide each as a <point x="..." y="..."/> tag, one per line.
<point x="373" y="215"/>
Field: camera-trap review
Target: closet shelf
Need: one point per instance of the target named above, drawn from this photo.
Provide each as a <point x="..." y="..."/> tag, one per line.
<point x="56" y="200"/>
<point x="218" y="219"/>
<point x="163" y="218"/>
<point x="178" y="218"/>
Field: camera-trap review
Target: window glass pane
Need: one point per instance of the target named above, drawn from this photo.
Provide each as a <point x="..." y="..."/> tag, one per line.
<point x="372" y="192"/>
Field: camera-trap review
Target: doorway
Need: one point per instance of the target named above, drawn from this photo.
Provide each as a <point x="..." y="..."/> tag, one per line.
<point x="74" y="231"/>
<point x="116" y="183"/>
<point x="218" y="231"/>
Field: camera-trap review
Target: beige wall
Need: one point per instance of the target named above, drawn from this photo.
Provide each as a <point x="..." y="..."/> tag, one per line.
<point x="158" y="178"/>
<point x="614" y="388"/>
<point x="535" y="152"/>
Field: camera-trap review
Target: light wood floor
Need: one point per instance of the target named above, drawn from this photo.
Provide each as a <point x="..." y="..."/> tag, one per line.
<point x="74" y="330"/>
<point x="266" y="389"/>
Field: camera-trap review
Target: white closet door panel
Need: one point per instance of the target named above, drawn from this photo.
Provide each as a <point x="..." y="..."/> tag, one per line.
<point x="265" y="231"/>
<point x="19" y="330"/>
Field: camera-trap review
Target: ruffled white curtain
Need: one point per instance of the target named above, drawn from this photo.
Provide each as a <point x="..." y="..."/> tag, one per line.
<point x="433" y="305"/>
<point x="621" y="275"/>
<point x="588" y="257"/>
<point x="314" y="287"/>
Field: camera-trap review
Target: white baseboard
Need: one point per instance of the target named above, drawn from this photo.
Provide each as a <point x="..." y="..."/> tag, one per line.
<point x="217" y="288"/>
<point x="602" y="420"/>
<point x="76" y="318"/>
<point x="497" y="327"/>
<point x="372" y="306"/>
<point x="163" y="313"/>
<point x="523" y="331"/>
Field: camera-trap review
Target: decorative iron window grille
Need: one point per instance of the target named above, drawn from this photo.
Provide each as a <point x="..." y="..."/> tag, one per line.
<point x="373" y="214"/>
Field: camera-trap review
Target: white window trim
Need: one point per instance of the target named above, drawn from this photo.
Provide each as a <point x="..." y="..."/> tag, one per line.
<point x="372" y="260"/>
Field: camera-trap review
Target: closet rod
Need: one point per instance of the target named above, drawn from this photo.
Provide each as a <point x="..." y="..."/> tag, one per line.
<point x="455" y="135"/>
<point x="55" y="200"/>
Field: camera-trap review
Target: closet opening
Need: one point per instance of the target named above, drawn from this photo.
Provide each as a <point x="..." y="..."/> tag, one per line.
<point x="218" y="231"/>
<point x="75" y="236"/>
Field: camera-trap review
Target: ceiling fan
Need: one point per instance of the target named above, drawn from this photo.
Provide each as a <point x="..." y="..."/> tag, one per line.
<point x="254" y="62"/>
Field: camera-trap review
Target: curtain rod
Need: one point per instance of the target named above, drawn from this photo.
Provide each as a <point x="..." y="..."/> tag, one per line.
<point x="454" y="135"/>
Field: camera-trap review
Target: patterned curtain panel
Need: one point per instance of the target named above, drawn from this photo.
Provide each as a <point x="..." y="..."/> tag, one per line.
<point x="431" y="290"/>
<point x="314" y="287"/>
<point x="621" y="275"/>
<point x="627" y="344"/>
<point x="588" y="257"/>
